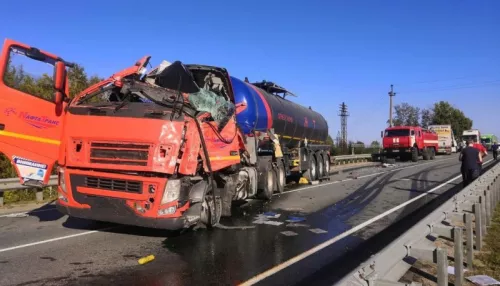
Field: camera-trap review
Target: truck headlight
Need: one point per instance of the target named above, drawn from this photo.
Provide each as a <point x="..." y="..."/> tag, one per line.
<point x="62" y="180"/>
<point x="171" y="192"/>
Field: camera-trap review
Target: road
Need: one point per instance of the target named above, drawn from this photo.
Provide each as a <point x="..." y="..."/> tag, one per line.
<point x="46" y="248"/>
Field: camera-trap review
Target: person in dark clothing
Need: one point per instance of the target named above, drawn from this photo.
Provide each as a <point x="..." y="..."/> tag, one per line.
<point x="470" y="169"/>
<point x="494" y="148"/>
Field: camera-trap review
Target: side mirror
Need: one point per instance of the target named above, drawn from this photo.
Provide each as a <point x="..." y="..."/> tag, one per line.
<point x="381" y="134"/>
<point x="59" y="81"/>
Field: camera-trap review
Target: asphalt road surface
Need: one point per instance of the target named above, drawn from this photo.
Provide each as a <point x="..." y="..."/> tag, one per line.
<point x="46" y="248"/>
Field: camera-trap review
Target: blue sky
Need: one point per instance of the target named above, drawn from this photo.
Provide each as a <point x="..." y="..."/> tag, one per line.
<point x="327" y="52"/>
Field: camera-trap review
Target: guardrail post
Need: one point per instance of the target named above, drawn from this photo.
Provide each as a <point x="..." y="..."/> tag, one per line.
<point x="488" y="207"/>
<point x="483" y="215"/>
<point x="469" y="240"/>
<point x="442" y="267"/>
<point x="479" y="228"/>
<point x="458" y="256"/>
<point x="39" y="195"/>
<point x="1" y="198"/>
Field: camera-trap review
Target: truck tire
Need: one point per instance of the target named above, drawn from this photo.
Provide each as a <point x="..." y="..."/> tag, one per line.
<point x="432" y="155"/>
<point x="311" y="174"/>
<point x="320" y="165"/>
<point x="211" y="213"/>
<point x="414" y="155"/>
<point x="326" y="163"/>
<point x="280" y="177"/>
<point x="425" y="154"/>
<point x="267" y="182"/>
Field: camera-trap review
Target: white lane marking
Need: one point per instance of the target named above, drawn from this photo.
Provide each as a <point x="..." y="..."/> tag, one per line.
<point x="360" y="177"/>
<point x="331" y="241"/>
<point x="55" y="239"/>
<point x="27" y="212"/>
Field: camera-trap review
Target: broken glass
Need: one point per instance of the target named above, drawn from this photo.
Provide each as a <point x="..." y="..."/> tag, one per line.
<point x="220" y="109"/>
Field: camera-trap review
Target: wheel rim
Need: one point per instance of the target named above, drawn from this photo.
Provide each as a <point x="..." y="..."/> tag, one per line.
<point x="270" y="180"/>
<point x="327" y="166"/>
<point x="313" y="171"/>
<point x="320" y="166"/>
<point x="282" y="177"/>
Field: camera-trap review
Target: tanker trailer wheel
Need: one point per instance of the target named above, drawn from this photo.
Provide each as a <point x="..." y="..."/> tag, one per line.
<point x="414" y="154"/>
<point x="280" y="176"/>
<point x="311" y="173"/>
<point x="326" y="163"/>
<point x="266" y="182"/>
<point x="320" y="165"/>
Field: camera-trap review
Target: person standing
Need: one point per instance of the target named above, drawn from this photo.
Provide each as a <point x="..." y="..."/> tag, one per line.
<point x="494" y="148"/>
<point x="482" y="151"/>
<point x="470" y="156"/>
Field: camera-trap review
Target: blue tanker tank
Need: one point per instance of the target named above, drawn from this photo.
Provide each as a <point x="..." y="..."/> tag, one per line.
<point x="258" y="109"/>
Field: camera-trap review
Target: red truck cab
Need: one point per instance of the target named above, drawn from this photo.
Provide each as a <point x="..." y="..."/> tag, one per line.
<point x="127" y="161"/>
<point x="409" y="143"/>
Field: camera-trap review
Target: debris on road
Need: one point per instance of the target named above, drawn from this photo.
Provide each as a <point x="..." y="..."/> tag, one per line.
<point x="272" y="215"/>
<point x="386" y="165"/>
<point x="221" y="226"/>
<point x="297" y="225"/>
<point x="295" y="219"/>
<point x="483" y="280"/>
<point x="16" y="215"/>
<point x="317" y="230"/>
<point x="146" y="259"/>
<point x="289" y="233"/>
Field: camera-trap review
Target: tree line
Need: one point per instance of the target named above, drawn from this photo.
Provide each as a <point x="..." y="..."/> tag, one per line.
<point x="442" y="113"/>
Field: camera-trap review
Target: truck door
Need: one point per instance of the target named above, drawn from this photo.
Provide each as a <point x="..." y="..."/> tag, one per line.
<point x="30" y="120"/>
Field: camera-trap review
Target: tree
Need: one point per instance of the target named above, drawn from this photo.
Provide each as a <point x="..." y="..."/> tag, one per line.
<point x="445" y="113"/>
<point x="375" y="144"/>
<point x="426" y="116"/>
<point x="406" y="115"/>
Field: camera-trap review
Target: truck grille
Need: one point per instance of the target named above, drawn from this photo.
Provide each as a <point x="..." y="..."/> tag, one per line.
<point x="119" y="153"/>
<point x="113" y="184"/>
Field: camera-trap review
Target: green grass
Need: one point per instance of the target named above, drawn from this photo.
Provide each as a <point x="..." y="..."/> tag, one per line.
<point x="28" y="195"/>
<point x="487" y="262"/>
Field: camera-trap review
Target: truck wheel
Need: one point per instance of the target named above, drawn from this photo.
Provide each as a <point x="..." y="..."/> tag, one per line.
<point x="280" y="177"/>
<point x="266" y="185"/>
<point x="326" y="163"/>
<point x="414" y="155"/>
<point x="433" y="154"/>
<point x="311" y="173"/>
<point x="320" y="165"/>
<point x="209" y="217"/>
<point x="425" y="154"/>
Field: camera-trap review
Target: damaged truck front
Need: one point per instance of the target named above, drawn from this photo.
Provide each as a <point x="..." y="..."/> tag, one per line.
<point x="161" y="150"/>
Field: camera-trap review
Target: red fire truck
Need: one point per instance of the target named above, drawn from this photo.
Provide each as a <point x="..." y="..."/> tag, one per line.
<point x="409" y="142"/>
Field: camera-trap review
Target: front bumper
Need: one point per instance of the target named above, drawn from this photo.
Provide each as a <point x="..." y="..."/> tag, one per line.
<point x="396" y="151"/>
<point x="110" y="210"/>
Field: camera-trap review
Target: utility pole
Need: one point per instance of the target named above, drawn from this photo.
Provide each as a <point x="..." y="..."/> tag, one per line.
<point x="343" y="113"/>
<point x="391" y="95"/>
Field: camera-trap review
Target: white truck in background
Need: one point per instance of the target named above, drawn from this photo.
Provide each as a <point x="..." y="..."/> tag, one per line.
<point x="447" y="143"/>
<point x="473" y="134"/>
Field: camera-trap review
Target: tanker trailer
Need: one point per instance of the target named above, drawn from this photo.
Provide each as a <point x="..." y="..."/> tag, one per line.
<point x="299" y="133"/>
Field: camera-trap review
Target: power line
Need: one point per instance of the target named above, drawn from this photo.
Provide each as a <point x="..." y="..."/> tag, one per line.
<point x="455" y="87"/>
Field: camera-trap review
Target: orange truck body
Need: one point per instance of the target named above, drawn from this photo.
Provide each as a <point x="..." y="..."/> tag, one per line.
<point x="136" y="164"/>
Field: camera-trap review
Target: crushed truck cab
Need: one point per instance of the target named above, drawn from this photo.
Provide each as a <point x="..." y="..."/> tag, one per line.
<point x="162" y="149"/>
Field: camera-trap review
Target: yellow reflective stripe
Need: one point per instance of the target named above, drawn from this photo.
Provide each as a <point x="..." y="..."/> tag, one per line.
<point x="224" y="158"/>
<point x="29" y="137"/>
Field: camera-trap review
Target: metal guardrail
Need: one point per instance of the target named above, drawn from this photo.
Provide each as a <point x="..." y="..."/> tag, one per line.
<point x="12" y="184"/>
<point x="469" y="211"/>
<point x="346" y="159"/>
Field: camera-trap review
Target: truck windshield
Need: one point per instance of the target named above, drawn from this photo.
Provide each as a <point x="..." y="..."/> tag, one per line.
<point x="397" y="132"/>
<point x="485" y="140"/>
<point x="470" y="137"/>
